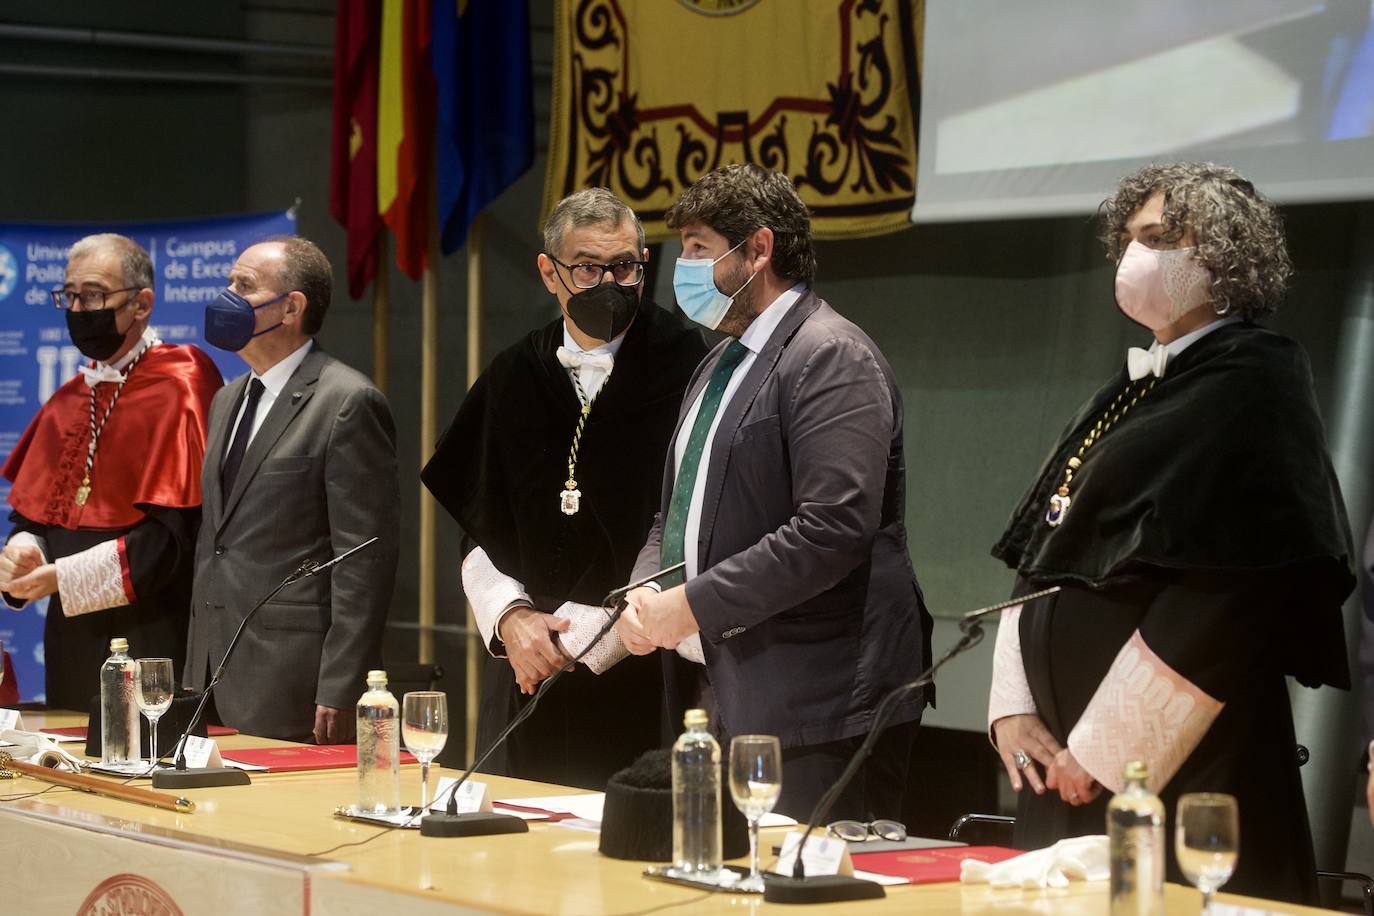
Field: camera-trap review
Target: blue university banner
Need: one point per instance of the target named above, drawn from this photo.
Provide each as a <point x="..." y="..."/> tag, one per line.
<point x="191" y="262"/>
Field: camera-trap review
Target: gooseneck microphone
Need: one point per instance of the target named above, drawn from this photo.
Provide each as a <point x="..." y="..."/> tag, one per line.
<point x="830" y="888"/>
<point x="188" y="778"/>
<point x="476" y="823"/>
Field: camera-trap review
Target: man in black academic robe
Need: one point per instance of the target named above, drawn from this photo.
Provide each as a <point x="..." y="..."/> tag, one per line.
<point x="552" y="467"/>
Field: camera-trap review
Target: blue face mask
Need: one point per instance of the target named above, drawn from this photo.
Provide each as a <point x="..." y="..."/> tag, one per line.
<point x="230" y="320"/>
<point x="694" y="282"/>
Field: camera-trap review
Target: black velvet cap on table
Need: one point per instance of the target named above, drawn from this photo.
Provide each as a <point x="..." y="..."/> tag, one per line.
<point x="637" y="820"/>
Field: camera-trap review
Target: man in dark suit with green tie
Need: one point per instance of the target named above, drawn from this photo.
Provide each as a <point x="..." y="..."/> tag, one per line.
<point x="784" y="494"/>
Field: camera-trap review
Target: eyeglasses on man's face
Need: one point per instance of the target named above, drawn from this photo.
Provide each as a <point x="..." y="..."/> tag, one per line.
<point x="87" y="300"/>
<point x="588" y="276"/>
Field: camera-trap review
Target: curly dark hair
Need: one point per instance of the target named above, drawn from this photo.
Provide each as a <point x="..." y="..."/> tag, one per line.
<point x="737" y="200"/>
<point x="1238" y="232"/>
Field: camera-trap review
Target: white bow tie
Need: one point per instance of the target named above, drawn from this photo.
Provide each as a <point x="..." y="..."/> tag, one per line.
<point x="94" y="375"/>
<point x="1140" y="363"/>
<point x="577" y="359"/>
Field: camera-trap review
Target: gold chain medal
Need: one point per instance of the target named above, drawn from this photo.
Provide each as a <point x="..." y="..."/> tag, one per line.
<point x="570" y="499"/>
<point x="1060" y="501"/>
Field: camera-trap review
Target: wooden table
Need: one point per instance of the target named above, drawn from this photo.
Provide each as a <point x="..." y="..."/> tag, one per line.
<point x="252" y="849"/>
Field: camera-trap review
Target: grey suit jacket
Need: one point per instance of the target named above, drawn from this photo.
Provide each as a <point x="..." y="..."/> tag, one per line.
<point x="805" y="595"/>
<point x="317" y="479"/>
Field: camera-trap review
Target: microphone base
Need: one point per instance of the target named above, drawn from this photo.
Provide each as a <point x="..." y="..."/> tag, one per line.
<point x="474" y="823"/>
<point x="202" y="778"/>
<point x="819" y="889"/>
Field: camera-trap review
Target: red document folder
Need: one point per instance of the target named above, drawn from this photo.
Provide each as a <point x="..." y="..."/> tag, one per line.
<point x="928" y="866"/>
<point x="302" y="757"/>
<point x="79" y="731"/>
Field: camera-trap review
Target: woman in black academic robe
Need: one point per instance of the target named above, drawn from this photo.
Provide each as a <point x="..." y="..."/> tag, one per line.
<point x="1192" y="518"/>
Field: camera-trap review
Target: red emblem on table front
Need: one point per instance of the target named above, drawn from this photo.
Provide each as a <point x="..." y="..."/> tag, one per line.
<point x="128" y="894"/>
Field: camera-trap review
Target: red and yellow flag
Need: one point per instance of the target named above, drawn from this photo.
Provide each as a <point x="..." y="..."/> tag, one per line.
<point x="405" y="129"/>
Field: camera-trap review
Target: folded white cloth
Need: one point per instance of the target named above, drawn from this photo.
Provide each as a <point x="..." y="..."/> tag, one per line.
<point x="38" y="749"/>
<point x="1082" y="858"/>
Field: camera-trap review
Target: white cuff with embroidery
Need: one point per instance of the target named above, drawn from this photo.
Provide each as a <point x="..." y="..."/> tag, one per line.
<point x="585" y="621"/>
<point x="1011" y="693"/>
<point x="25" y="539"/>
<point x="92" y="580"/>
<point x="1142" y="710"/>
<point x="490" y="592"/>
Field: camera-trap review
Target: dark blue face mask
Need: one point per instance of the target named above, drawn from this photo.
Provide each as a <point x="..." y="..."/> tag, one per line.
<point x="230" y="320"/>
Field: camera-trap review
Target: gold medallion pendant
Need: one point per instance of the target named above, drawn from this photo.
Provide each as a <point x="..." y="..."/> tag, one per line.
<point x="570" y="500"/>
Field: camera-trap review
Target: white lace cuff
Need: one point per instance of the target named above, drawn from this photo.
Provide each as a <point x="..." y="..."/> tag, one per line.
<point x="24" y="539"/>
<point x="585" y="622"/>
<point x="690" y="649"/>
<point x="1011" y="693"/>
<point x="490" y="592"/>
<point x="1142" y="710"/>
<point x="95" y="579"/>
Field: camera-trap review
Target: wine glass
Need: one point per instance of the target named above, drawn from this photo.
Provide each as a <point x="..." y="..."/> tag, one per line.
<point x="1207" y="841"/>
<point x="154" y="695"/>
<point x="755" y="782"/>
<point x="424" y="726"/>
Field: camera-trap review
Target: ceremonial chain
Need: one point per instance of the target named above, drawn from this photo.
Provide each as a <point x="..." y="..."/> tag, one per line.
<point x="83" y="492"/>
<point x="570" y="500"/>
<point x="1059" y="502"/>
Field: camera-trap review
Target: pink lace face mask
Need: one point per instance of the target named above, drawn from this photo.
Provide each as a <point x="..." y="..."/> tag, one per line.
<point x="1154" y="288"/>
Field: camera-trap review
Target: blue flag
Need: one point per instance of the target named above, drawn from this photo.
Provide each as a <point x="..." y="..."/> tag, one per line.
<point x="485" y="125"/>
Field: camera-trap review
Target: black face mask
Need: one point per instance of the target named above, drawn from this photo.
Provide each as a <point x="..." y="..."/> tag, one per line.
<point x="95" y="333"/>
<point x="605" y="310"/>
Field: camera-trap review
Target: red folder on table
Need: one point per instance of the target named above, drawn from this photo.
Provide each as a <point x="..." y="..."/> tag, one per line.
<point x="302" y="757"/>
<point x="929" y="866"/>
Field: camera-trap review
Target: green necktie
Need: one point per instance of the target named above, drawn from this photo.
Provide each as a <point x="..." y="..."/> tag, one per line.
<point x="675" y="526"/>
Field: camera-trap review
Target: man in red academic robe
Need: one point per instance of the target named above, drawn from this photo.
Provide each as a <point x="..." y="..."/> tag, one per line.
<point x="106" y="479"/>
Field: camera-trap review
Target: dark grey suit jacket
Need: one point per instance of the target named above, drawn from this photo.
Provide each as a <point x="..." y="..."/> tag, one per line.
<point x="805" y="595"/>
<point x="318" y="478"/>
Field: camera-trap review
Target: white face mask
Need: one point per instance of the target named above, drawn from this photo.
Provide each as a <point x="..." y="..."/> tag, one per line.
<point x="1156" y="288"/>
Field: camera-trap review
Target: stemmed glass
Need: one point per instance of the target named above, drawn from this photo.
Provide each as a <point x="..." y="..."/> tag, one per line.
<point x="755" y="782"/>
<point x="1207" y="841"/>
<point x="154" y="696"/>
<point x="424" y="726"/>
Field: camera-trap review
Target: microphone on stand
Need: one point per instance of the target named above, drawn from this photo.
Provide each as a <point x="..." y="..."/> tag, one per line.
<point x="184" y="777"/>
<point x="483" y="823"/>
<point x="798" y="888"/>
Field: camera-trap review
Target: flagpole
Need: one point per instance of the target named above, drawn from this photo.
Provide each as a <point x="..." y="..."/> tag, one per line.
<point x="381" y="314"/>
<point x="475" y="265"/>
<point x="429" y="389"/>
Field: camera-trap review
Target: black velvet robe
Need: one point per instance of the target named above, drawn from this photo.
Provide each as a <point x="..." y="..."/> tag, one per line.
<point x="1209" y="520"/>
<point x="499" y="470"/>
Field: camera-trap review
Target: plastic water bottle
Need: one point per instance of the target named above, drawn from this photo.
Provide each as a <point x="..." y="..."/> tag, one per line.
<point x="118" y="712"/>
<point x="1135" y="827"/>
<point x="379" y="749"/>
<point x="696" y="800"/>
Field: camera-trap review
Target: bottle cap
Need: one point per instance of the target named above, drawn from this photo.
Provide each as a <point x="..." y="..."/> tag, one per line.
<point x="119" y="644"/>
<point x="376" y="678"/>
<point x="695" y="718"/>
<point x="1136" y="769"/>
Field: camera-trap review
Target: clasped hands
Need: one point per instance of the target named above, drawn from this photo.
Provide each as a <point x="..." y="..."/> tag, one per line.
<point x="1027" y="735"/>
<point x="655" y="620"/>
<point x="24" y="574"/>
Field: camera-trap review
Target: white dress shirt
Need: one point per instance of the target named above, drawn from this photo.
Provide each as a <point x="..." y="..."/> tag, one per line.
<point x="591" y="377"/>
<point x="754" y="339"/>
<point x="1176" y="347"/>
<point x="273" y="381"/>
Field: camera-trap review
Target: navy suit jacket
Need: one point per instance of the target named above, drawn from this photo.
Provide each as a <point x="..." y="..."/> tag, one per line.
<point x="805" y="596"/>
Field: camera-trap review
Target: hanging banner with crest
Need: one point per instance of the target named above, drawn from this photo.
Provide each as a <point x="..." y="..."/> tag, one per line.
<point x="647" y="97"/>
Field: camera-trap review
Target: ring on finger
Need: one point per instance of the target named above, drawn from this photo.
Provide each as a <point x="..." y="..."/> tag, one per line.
<point x="1020" y="758"/>
<point x="1073" y="797"/>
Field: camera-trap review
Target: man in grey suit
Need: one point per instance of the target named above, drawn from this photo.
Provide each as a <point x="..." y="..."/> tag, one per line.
<point x="300" y="463"/>
<point x="784" y="494"/>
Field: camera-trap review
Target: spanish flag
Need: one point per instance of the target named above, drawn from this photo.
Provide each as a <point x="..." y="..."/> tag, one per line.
<point x="405" y="125"/>
<point x="353" y="159"/>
